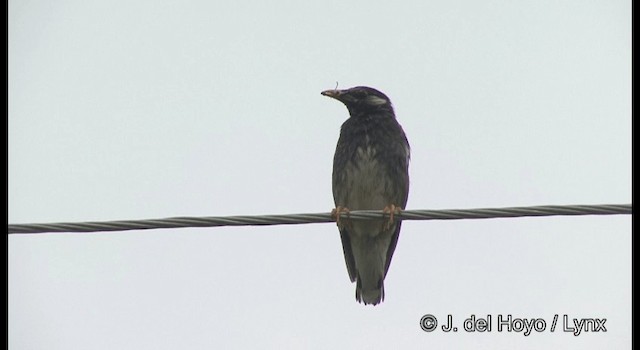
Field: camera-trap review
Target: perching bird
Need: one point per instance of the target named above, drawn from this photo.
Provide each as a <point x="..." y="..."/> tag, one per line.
<point x="370" y="172"/>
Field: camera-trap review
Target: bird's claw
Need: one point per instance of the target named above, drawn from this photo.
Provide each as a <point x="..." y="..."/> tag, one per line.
<point x="336" y="214"/>
<point x="392" y="210"/>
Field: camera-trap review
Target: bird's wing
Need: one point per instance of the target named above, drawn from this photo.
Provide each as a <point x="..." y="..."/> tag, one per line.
<point x="348" y="254"/>
<point x="392" y="246"/>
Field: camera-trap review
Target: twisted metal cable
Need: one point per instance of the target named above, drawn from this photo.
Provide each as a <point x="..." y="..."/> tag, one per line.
<point x="261" y="220"/>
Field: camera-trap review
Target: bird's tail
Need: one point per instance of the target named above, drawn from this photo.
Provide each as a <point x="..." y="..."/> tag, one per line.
<point x="370" y="257"/>
<point x="370" y="293"/>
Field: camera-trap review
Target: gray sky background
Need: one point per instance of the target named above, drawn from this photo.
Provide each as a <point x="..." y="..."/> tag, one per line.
<point x="142" y="109"/>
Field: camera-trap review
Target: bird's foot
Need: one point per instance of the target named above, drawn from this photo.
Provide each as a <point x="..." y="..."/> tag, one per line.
<point x="336" y="215"/>
<point x="392" y="210"/>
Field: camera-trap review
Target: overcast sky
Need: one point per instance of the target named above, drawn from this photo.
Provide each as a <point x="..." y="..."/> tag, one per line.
<point x="148" y="109"/>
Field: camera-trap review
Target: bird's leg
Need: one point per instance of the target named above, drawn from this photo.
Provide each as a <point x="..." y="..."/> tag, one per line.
<point x="392" y="210"/>
<point x="336" y="213"/>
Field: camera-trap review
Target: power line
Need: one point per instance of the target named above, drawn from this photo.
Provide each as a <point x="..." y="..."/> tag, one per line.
<point x="293" y="219"/>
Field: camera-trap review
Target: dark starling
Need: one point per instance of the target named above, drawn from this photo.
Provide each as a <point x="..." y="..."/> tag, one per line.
<point x="370" y="172"/>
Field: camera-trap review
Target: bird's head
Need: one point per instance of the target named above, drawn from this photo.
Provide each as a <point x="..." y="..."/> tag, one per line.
<point x="361" y="100"/>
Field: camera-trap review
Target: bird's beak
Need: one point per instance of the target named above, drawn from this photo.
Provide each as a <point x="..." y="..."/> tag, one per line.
<point x="332" y="93"/>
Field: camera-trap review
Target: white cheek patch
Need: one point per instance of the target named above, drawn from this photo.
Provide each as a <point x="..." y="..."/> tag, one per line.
<point x="375" y="100"/>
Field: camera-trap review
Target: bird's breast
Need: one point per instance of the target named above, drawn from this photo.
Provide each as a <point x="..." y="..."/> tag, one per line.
<point x="365" y="180"/>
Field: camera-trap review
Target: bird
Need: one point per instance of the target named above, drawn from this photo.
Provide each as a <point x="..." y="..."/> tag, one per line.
<point x="370" y="172"/>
